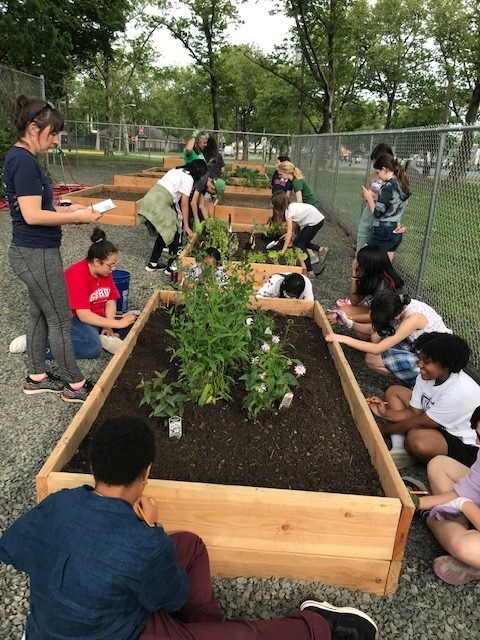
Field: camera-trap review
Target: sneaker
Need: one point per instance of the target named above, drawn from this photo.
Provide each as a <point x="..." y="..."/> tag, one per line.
<point x="70" y="395"/>
<point x="18" y="345"/>
<point x="346" y="623"/>
<point x="111" y="343"/>
<point x="314" y="260"/>
<point x="318" y="268"/>
<point x="51" y="384"/>
<point x="401" y="458"/>
<point x="155" y="267"/>
<point x="167" y="271"/>
<point x="453" y="571"/>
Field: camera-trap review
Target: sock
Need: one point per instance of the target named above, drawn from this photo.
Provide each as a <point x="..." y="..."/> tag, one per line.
<point x="397" y="441"/>
<point x="153" y="264"/>
<point x="76" y="385"/>
<point x="40" y="377"/>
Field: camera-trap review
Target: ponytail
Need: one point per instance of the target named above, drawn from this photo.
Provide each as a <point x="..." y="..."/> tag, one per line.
<point x="390" y="163"/>
<point x="100" y="248"/>
<point x="280" y="202"/>
<point x="289" y="167"/>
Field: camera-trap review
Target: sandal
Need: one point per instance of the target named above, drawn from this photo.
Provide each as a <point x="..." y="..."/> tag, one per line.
<point x="322" y="253"/>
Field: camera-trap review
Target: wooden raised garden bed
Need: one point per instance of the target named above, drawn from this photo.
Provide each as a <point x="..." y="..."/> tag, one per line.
<point x="255" y="191"/>
<point x="354" y="541"/>
<point x="126" y="199"/>
<point x="136" y="180"/>
<point x="261" y="168"/>
<point x="244" y="209"/>
<point x="261" y="271"/>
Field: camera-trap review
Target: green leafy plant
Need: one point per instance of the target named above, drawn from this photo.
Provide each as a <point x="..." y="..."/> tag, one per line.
<point x="165" y="400"/>
<point x="274" y="256"/>
<point x="291" y="257"/>
<point x="249" y="177"/>
<point x="273" y="231"/>
<point x="217" y="235"/>
<point x="257" y="256"/>
<point x="270" y="376"/>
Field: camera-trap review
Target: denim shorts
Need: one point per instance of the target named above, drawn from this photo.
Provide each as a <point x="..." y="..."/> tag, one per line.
<point x="383" y="235"/>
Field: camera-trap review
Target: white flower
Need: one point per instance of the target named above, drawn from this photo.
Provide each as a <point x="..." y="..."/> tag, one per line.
<point x="261" y="388"/>
<point x="275" y="339"/>
<point x="249" y="321"/>
<point x="268" y="331"/>
<point x="262" y="376"/>
<point x="255" y="360"/>
<point x="265" y="347"/>
<point x="300" y="370"/>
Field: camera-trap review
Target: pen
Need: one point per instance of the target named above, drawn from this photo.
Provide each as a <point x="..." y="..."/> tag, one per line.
<point x="142" y="513"/>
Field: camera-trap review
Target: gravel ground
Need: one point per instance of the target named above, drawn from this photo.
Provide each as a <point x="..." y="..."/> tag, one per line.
<point x="422" y="607"/>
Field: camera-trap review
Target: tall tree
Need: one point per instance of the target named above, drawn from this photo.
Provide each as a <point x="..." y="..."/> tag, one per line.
<point x="49" y="37"/>
<point x="201" y="28"/>
<point x="398" y="50"/>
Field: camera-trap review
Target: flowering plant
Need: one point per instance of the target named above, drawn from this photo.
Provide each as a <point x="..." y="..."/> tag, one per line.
<point x="269" y="376"/>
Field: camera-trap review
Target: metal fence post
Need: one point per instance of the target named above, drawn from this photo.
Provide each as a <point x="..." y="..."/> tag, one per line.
<point x="431" y="214"/>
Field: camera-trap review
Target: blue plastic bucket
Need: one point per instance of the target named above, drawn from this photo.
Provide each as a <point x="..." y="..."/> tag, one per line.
<point x="122" y="282"/>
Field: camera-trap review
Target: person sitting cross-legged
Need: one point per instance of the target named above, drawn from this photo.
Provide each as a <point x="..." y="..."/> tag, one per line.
<point x="102" y="567"/>
<point x="434" y="418"/>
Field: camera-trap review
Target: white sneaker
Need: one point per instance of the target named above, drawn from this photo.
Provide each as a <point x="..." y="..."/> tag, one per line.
<point x="18" y="345"/>
<point x="110" y="343"/>
<point x="401" y="458"/>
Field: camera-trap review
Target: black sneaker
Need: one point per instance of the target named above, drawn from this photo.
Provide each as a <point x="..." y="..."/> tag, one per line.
<point x="79" y="395"/>
<point x="346" y="623"/>
<point x="51" y="384"/>
<point x="155" y="267"/>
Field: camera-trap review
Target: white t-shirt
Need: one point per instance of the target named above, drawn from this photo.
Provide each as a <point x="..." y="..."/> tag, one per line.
<point x="450" y="404"/>
<point x="177" y="182"/>
<point x="305" y="215"/>
<point x="271" y="288"/>
<point x="434" y="320"/>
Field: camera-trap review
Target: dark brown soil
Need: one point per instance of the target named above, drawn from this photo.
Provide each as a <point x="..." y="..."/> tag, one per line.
<point x="313" y="446"/>
<point x="246" y="200"/>
<point x="105" y="194"/>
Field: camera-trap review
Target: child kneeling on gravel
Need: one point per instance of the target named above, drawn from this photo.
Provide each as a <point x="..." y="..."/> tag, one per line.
<point x="453" y="512"/>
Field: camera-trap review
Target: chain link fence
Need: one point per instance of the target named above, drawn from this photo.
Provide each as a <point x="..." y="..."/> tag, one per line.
<point x="146" y="145"/>
<point x="439" y="253"/>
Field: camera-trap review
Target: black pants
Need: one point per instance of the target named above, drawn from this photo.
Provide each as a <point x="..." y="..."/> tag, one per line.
<point x="159" y="246"/>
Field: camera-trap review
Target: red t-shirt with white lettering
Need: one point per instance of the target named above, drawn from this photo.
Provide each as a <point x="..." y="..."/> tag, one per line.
<point x="89" y="292"/>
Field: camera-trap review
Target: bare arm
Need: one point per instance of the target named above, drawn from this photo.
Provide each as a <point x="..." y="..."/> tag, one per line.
<point x="195" y="204"/>
<point x="288" y="235"/>
<point x="298" y="196"/>
<point x="32" y="212"/>
<point x="472" y="512"/>
<point x="409" y="325"/>
<point x="184" y="202"/>
<point x="88" y="317"/>
<point x="189" y="146"/>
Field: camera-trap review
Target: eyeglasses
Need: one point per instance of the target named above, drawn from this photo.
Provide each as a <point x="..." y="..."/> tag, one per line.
<point x="47" y="105"/>
<point x="110" y="265"/>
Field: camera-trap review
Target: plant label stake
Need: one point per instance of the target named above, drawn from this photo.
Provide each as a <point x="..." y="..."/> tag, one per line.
<point x="175" y="427"/>
<point x="286" y="400"/>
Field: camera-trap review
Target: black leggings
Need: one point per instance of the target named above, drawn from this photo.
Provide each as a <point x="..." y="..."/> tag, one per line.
<point x="303" y="240"/>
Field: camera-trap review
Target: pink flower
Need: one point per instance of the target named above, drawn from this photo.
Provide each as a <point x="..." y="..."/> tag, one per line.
<point x="300" y="370"/>
<point x="275" y="339"/>
<point x="265" y="347"/>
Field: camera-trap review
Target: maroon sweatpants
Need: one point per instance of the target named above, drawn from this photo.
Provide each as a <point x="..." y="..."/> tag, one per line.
<point x="201" y="619"/>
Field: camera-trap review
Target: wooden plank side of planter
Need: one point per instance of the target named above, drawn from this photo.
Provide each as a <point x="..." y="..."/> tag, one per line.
<point x="125" y="212"/>
<point x="254" y="191"/>
<point x="379" y="454"/>
<point x="340" y="539"/>
<point x="170" y="162"/>
<point x="135" y="180"/>
<point x="243" y="215"/>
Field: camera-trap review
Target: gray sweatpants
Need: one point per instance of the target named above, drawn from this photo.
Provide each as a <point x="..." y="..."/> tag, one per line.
<point x="49" y="314"/>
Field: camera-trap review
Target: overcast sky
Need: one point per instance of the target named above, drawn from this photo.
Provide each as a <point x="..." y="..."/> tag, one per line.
<point x="259" y="29"/>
